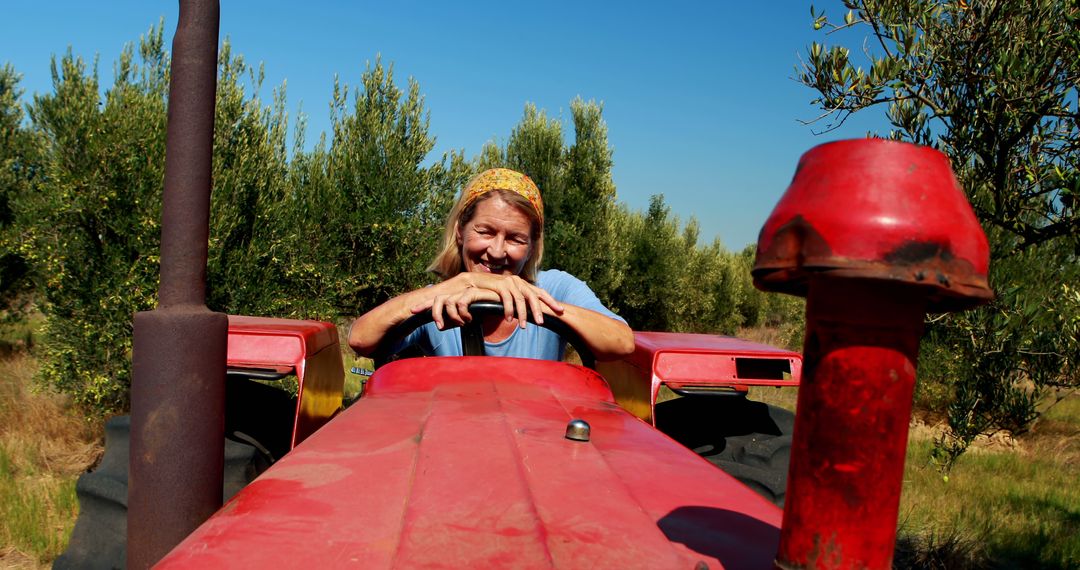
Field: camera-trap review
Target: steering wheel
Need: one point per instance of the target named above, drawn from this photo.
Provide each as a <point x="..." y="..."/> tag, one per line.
<point x="472" y="333"/>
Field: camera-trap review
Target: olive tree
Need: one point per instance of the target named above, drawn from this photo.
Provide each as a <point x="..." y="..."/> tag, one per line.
<point x="372" y="212"/>
<point x="669" y="281"/>
<point x="91" y="227"/>
<point x="994" y="86"/>
<point x="579" y="194"/>
<point x="19" y="169"/>
<point x="580" y="207"/>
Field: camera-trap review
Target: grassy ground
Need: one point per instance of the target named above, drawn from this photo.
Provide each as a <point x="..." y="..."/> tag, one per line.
<point x="1008" y="503"/>
<point x="43" y="449"/>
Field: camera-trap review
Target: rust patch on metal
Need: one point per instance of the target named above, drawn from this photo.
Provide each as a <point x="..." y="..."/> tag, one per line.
<point x="781" y="267"/>
<point x="827" y="555"/>
<point x="156" y="431"/>
<point x="821" y="556"/>
<point x="793" y="243"/>
<point x="918" y="252"/>
<point x="799" y="251"/>
<point x="952" y="283"/>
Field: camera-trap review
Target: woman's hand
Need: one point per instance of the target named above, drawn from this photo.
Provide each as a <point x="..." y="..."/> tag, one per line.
<point x="517" y="296"/>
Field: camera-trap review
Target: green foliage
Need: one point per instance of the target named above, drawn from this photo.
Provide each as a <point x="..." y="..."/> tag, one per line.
<point x="669" y="282"/>
<point x="648" y="293"/>
<point x="92" y="230"/>
<point x="994" y="86"/>
<point x="250" y="173"/>
<point x="326" y="233"/>
<point x="1005" y="358"/>
<point x="333" y="231"/>
<point x="380" y="213"/>
<point x="19" y="169"/>
<point x="579" y="209"/>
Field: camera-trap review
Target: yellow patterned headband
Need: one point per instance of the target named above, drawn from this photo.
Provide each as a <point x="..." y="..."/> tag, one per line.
<point x="504" y="179"/>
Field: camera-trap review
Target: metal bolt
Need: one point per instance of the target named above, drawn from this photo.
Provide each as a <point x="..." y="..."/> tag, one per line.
<point x="578" y="430"/>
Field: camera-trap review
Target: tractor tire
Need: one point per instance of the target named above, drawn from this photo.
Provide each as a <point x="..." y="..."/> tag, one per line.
<point x="99" y="539"/>
<point x="258" y="428"/>
<point x="748" y="440"/>
<point x="762" y="465"/>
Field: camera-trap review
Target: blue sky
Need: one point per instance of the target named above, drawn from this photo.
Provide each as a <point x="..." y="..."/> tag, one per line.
<point x="698" y="96"/>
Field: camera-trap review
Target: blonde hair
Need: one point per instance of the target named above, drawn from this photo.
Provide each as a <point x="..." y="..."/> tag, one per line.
<point x="448" y="262"/>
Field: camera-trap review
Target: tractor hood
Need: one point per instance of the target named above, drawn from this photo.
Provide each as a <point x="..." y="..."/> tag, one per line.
<point x="464" y="463"/>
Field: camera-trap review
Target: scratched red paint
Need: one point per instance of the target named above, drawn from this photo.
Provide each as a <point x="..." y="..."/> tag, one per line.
<point x="461" y="462"/>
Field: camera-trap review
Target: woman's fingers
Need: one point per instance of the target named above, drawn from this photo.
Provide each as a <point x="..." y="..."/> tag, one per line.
<point x="454" y="310"/>
<point x="461" y="306"/>
<point x="537" y="299"/>
<point x="513" y="293"/>
<point x="537" y="308"/>
<point x="523" y="314"/>
<point x="550" y="301"/>
<point x="456" y="306"/>
<point x="519" y="298"/>
<point x="437" y="306"/>
<point x="507" y="300"/>
<point x="544" y="298"/>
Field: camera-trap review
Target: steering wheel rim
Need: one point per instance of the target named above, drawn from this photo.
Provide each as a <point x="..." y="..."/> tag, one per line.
<point x="472" y="334"/>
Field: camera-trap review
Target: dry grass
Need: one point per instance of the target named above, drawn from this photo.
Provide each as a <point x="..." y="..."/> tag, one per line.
<point x="43" y="449"/>
<point x="781" y="338"/>
<point x="1006" y="503"/>
<point x="786" y="337"/>
<point x="354" y="381"/>
<point x="780" y="397"/>
<point x="14" y="559"/>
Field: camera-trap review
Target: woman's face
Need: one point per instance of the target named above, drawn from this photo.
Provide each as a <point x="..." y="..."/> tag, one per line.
<point x="498" y="238"/>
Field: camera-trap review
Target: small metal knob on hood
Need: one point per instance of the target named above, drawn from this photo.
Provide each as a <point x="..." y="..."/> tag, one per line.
<point x="578" y="430"/>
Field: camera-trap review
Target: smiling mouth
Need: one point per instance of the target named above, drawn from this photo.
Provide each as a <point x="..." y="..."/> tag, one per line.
<point x="494" y="267"/>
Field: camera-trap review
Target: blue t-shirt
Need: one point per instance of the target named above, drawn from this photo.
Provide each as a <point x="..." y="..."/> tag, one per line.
<point x="532" y="341"/>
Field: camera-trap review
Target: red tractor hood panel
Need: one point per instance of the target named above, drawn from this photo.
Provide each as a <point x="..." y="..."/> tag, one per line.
<point x="463" y="463"/>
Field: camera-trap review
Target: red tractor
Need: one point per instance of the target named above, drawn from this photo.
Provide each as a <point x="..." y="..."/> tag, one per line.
<point x="476" y="461"/>
<point x="707" y="410"/>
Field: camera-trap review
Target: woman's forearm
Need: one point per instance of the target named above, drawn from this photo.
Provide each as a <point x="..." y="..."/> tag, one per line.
<point x="609" y="339"/>
<point x="370" y="328"/>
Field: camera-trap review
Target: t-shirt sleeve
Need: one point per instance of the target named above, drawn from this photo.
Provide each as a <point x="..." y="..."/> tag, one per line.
<point x="569" y="289"/>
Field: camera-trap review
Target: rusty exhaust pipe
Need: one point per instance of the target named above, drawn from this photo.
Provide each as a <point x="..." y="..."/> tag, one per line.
<point x="178" y="360"/>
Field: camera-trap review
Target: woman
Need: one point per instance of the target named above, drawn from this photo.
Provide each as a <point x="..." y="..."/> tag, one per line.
<point x="491" y="251"/>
